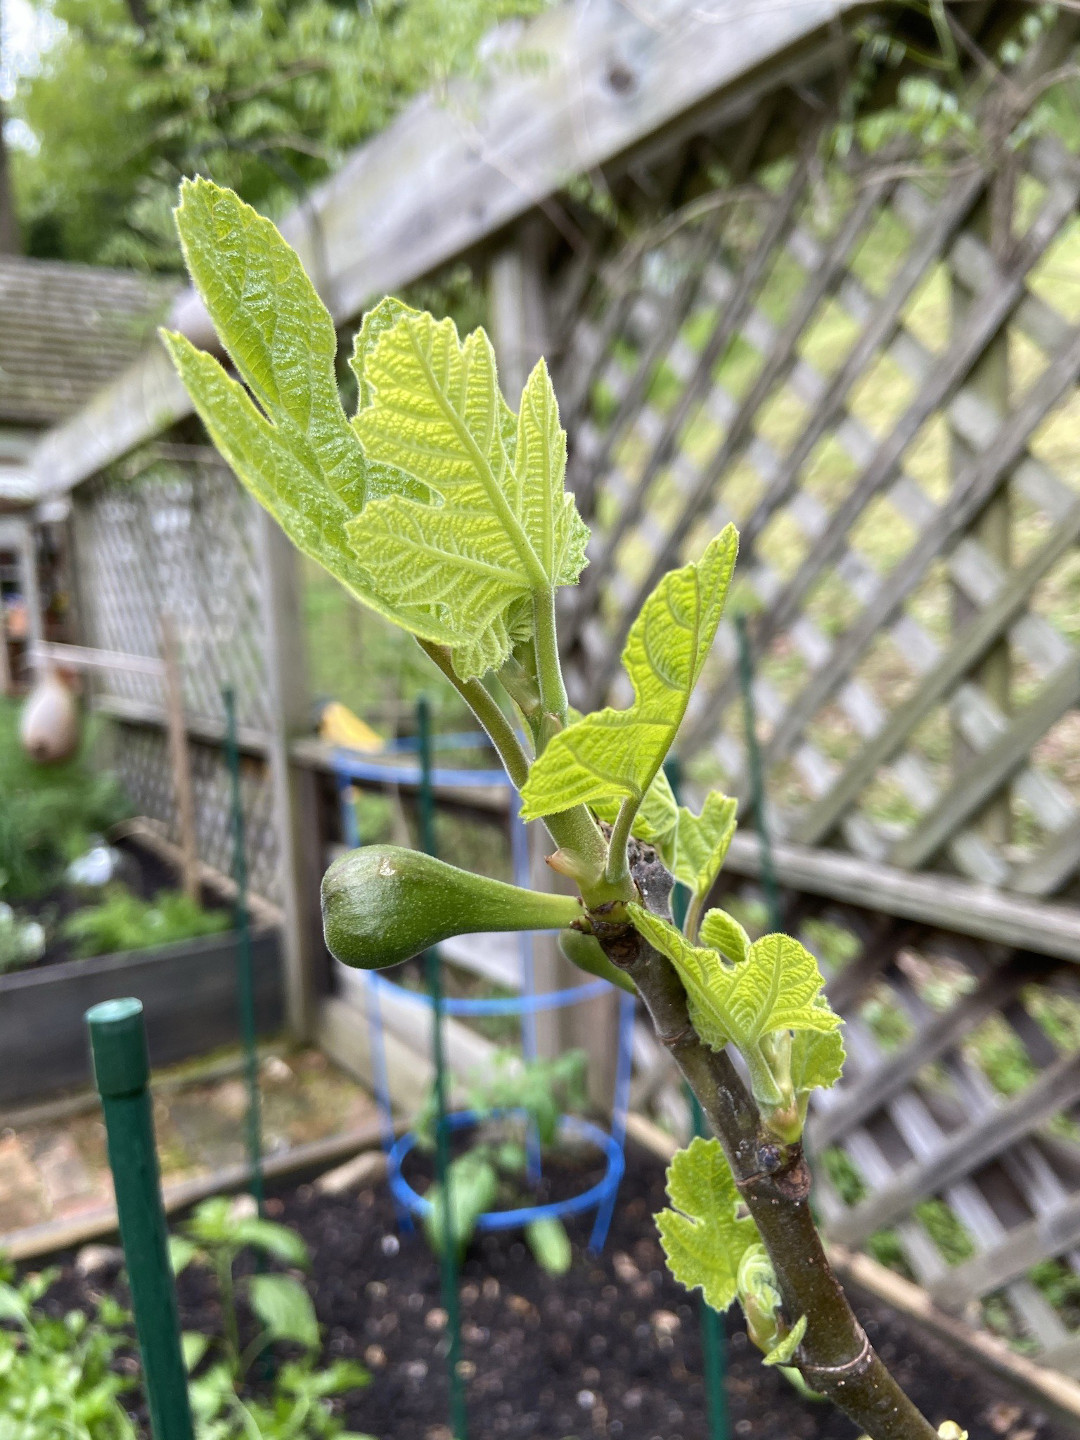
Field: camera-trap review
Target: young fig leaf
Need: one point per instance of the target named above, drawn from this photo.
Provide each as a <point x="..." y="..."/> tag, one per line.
<point x="381" y="904"/>
<point x="494" y="525"/>
<point x="777" y="987"/>
<point x="294" y="450"/>
<point x="702" y="841"/>
<point x="703" y="1238"/>
<point x="616" y="753"/>
<point x="817" y="1060"/>
<point x="436" y="506"/>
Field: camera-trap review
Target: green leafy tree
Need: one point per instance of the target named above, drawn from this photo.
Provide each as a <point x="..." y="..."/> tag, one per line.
<point x="264" y="96"/>
<point x="440" y="507"/>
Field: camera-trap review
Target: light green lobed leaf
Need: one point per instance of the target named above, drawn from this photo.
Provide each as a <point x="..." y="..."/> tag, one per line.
<point x="817" y="1060"/>
<point x="277" y="331"/>
<point x="436" y="506"/>
<point x="703" y="1237"/>
<point x="616" y="753"/>
<point x="702" y="842"/>
<point x="497" y="526"/>
<point x="777" y="987"/>
<point x="294" y="492"/>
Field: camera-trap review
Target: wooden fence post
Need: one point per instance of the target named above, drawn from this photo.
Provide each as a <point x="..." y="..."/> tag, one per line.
<point x="293" y="788"/>
<point x="178" y="756"/>
<point x="28" y="579"/>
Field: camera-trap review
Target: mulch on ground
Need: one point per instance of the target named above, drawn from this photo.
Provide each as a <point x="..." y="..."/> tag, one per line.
<point x="611" y="1349"/>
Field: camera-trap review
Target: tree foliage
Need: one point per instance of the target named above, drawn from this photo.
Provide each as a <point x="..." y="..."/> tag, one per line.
<point x="263" y="96"/>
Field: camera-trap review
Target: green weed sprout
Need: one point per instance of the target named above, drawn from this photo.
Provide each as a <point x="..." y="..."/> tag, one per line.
<point x="444" y="510"/>
<point x="296" y="1407"/>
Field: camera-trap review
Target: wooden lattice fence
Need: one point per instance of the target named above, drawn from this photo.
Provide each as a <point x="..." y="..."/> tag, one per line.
<point x="172" y="534"/>
<point x="874" y="374"/>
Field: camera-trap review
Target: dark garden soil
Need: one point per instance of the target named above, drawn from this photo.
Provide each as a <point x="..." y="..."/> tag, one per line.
<point x="610" y="1349"/>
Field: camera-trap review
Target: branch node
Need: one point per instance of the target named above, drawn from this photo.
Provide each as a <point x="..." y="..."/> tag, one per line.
<point x="672" y="1042"/>
<point x="847" y="1368"/>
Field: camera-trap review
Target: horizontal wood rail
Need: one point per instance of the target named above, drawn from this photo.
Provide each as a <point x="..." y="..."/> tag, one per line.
<point x="936" y="900"/>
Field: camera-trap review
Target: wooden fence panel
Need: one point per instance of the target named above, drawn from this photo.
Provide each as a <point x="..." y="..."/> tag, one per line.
<point x="172" y="532"/>
<point x="810" y="359"/>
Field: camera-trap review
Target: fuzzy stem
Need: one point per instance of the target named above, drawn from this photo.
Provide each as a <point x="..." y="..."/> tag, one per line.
<point x="618" y="865"/>
<point x="497" y="727"/>
<point x="573" y="830"/>
<point x="692" y="922"/>
<point x="548" y="667"/>
<point x="835" y="1357"/>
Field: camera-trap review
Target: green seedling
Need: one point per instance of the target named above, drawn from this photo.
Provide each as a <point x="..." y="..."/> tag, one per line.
<point x="444" y="509"/>
<point x="508" y="1098"/>
<point x="297" y="1407"/>
<point x="122" y="921"/>
<point x="57" y="1374"/>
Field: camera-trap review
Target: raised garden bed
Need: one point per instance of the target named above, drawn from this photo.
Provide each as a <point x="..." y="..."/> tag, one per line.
<point x="188" y="990"/>
<point x="610" y="1349"/>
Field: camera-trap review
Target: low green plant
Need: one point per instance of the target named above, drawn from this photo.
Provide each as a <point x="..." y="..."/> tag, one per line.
<point x="121" y="920"/>
<point x="442" y="509"/>
<point x="49" y="814"/>
<point x="508" y="1099"/>
<point x="57" y="1375"/>
<point x="298" y="1403"/>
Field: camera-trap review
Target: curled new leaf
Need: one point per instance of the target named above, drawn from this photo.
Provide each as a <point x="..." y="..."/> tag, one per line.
<point x="783" y="1352"/>
<point x="817" y="1060"/>
<point x="721" y="931"/>
<point x="655" y="821"/>
<point x="704" y="1238"/>
<point x="762" y="1305"/>
<point x="616" y="753"/>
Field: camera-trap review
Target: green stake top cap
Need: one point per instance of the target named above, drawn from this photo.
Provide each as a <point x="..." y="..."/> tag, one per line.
<point x="118" y="1046"/>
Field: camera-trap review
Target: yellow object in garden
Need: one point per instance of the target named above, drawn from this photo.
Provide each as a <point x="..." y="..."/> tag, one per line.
<point x="339" y="726"/>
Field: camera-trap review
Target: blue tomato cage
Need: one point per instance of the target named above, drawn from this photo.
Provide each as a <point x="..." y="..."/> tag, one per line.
<point x="349" y="768"/>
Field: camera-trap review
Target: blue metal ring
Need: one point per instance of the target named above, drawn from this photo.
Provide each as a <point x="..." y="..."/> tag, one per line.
<point x="514" y="1219"/>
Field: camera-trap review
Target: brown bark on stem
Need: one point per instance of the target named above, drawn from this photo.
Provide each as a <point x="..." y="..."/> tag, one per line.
<point x="835" y="1357"/>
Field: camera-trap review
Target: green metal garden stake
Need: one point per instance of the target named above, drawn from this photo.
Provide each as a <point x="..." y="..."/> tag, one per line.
<point x="756" y="777"/>
<point x="713" y="1338"/>
<point x="245" y="976"/>
<point x="432" y="973"/>
<point x="122" y="1074"/>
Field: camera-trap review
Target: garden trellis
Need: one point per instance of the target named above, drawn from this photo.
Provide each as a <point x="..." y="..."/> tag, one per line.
<point x="873" y="370"/>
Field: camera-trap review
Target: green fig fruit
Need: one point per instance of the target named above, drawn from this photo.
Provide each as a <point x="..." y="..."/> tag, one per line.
<point x="584" y="951"/>
<point x="382" y="904"/>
